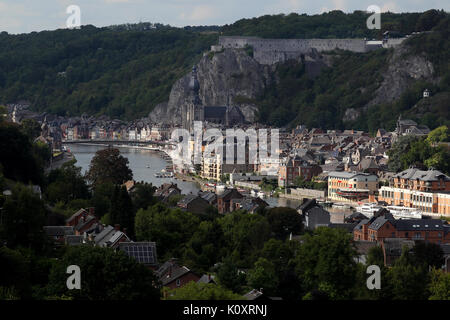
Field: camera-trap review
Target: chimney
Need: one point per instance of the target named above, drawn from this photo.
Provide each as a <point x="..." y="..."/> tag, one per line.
<point x="91" y="211"/>
<point x="261" y="290"/>
<point x="117" y="227"/>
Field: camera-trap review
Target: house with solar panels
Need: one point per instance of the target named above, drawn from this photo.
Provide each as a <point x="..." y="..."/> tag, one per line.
<point x="143" y="252"/>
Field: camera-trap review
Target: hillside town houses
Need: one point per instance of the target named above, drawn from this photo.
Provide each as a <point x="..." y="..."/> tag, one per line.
<point x="315" y="166"/>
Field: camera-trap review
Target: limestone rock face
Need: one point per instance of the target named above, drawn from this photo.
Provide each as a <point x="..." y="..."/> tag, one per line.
<point x="403" y="70"/>
<point x="229" y="74"/>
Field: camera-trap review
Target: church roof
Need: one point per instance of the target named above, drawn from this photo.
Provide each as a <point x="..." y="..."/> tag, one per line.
<point x="215" y="112"/>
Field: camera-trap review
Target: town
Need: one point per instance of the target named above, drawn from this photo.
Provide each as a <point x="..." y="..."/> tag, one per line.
<point x="274" y="158"/>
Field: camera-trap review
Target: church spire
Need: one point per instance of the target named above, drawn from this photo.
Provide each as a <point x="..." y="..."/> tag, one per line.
<point x="193" y="83"/>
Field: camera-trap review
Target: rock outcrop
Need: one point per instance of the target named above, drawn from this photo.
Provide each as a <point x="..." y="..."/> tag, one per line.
<point x="403" y="70"/>
<point x="231" y="74"/>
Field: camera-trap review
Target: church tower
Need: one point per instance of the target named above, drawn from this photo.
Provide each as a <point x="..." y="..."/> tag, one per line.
<point x="194" y="110"/>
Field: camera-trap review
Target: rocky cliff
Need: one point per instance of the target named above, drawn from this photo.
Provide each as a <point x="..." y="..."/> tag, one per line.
<point x="234" y="74"/>
<point x="402" y="71"/>
<point x="231" y="73"/>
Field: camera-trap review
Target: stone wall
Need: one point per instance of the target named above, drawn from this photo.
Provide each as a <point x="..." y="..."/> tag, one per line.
<point x="270" y="51"/>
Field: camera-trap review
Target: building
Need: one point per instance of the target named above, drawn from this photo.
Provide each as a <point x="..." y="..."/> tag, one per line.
<point x="393" y="249"/>
<point x="194" y="204"/>
<point x="224" y="200"/>
<point x="428" y="191"/>
<point x="194" y="110"/>
<point x="410" y="127"/>
<point x="296" y="167"/>
<point x="167" y="190"/>
<point x="379" y="228"/>
<point x="172" y="275"/>
<point x="143" y="252"/>
<point x="351" y="186"/>
<point x="313" y="214"/>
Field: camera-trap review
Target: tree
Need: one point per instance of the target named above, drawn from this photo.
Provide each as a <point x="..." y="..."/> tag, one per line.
<point x="427" y="254"/>
<point x="16" y="270"/>
<point x="264" y="276"/>
<point x="440" y="134"/>
<point x="109" y="166"/>
<point x="284" y="221"/>
<point x="67" y="184"/>
<point x="142" y="195"/>
<point x="105" y="275"/>
<point x="101" y="198"/>
<point x="24" y="216"/>
<point x="121" y="210"/>
<point x="171" y="229"/>
<point x="201" y="291"/>
<point x="229" y="275"/>
<point x="439" y="285"/>
<point x="245" y="234"/>
<point x="206" y="246"/>
<point x="407" y="281"/>
<point x="325" y="262"/>
<point x="17" y="155"/>
<point x="31" y="128"/>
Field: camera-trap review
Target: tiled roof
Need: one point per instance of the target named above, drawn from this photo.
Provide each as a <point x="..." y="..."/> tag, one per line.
<point x="430" y="175"/>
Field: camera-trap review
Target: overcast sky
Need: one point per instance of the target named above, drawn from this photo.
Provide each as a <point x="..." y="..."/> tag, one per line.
<point x="21" y="16"/>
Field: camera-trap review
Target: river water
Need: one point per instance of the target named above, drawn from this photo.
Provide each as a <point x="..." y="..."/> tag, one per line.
<point x="138" y="159"/>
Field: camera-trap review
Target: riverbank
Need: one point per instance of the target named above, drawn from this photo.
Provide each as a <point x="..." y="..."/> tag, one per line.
<point x="145" y="163"/>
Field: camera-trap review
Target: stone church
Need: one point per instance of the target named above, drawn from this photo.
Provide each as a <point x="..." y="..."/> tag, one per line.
<point x="194" y="110"/>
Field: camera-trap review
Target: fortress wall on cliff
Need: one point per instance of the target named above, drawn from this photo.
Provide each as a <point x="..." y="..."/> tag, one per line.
<point x="270" y="51"/>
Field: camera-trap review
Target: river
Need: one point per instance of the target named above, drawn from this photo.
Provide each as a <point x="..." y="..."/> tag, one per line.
<point x="138" y="159"/>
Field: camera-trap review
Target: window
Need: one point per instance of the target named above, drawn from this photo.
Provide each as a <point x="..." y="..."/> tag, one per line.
<point x="178" y="282"/>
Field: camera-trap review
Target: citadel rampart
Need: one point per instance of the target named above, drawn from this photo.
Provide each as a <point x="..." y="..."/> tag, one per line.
<point x="270" y="51"/>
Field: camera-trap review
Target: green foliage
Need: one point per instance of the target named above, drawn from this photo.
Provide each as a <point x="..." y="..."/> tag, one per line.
<point x="300" y="182"/>
<point x="245" y="235"/>
<point x="427" y="255"/>
<point x="440" y="134"/>
<point x="142" y="195"/>
<point x="263" y="276"/>
<point x="109" y="166"/>
<point x="169" y="228"/>
<point x="201" y="291"/>
<point x="15" y="268"/>
<point x="101" y="198"/>
<point x="333" y="24"/>
<point x="439" y="285"/>
<point x="24" y="215"/>
<point x="325" y="261"/>
<point x="121" y="73"/>
<point x="121" y="211"/>
<point x="105" y="275"/>
<point x="31" y="128"/>
<point x="230" y="277"/>
<point x="322" y="100"/>
<point x="412" y="150"/>
<point x="406" y="280"/>
<point x="66" y="184"/>
<point x="284" y="221"/>
<point x="268" y="184"/>
<point x="17" y="155"/>
<point x="206" y="246"/>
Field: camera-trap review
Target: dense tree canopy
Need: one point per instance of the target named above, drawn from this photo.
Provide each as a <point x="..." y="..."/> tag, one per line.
<point x="109" y="166"/>
<point x="105" y="275"/>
